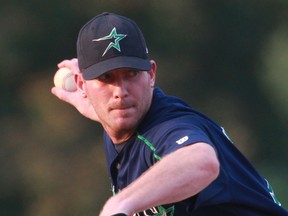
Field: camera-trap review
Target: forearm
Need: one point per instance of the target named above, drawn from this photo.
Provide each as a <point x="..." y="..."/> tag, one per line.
<point x="176" y="177"/>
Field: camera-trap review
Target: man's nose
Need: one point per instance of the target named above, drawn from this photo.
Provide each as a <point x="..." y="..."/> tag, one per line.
<point x="120" y="89"/>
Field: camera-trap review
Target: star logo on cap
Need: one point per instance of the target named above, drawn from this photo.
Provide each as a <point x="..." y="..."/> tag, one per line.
<point x="113" y="35"/>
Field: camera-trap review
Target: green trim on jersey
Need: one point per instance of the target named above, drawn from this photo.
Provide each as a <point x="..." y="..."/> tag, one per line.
<point x="160" y="210"/>
<point x="149" y="144"/>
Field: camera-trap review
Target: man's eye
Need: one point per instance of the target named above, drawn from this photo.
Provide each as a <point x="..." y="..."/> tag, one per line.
<point x="132" y="73"/>
<point x="105" y="77"/>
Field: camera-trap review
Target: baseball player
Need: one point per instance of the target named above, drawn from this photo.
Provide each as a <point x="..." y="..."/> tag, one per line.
<point x="164" y="157"/>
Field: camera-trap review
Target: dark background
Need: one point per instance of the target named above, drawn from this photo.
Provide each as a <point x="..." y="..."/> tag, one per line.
<point x="228" y="59"/>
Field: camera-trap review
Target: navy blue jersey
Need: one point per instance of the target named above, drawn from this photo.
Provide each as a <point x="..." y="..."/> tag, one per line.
<point x="171" y="124"/>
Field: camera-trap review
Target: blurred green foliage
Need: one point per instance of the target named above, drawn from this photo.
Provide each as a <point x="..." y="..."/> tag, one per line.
<point x="228" y="59"/>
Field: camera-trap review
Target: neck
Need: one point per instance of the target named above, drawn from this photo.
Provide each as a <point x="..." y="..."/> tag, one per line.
<point x="120" y="137"/>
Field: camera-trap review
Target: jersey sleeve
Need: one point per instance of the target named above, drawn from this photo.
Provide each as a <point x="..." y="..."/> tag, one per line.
<point x="180" y="135"/>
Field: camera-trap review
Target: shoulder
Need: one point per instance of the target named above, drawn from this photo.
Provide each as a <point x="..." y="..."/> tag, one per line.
<point x="174" y="134"/>
<point x="165" y="110"/>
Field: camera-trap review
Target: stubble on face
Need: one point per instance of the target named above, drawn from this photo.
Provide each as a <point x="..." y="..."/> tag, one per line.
<point x="120" y="116"/>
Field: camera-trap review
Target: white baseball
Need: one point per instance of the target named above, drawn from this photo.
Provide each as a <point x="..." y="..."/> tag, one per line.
<point x="64" y="78"/>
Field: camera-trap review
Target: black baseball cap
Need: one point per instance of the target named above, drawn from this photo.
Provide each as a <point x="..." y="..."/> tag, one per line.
<point x="108" y="42"/>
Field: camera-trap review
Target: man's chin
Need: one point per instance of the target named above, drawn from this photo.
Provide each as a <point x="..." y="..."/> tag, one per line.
<point x="125" y="124"/>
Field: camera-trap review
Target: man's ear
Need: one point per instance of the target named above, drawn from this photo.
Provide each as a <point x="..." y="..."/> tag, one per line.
<point x="80" y="84"/>
<point x="152" y="73"/>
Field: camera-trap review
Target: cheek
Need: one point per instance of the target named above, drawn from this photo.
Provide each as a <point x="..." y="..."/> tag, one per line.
<point x="99" y="106"/>
<point x="145" y="97"/>
<point x="96" y="98"/>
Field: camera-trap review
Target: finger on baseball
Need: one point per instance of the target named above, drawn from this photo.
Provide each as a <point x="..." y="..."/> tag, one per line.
<point x="67" y="62"/>
<point x="70" y="63"/>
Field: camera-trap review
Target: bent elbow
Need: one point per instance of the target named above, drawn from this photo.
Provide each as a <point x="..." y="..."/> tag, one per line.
<point x="210" y="165"/>
<point x="213" y="168"/>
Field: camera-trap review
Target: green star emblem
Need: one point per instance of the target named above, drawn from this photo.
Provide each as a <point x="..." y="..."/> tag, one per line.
<point x="115" y="44"/>
<point x="165" y="212"/>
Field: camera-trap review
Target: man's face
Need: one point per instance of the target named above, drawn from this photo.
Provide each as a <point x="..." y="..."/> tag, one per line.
<point x="120" y="99"/>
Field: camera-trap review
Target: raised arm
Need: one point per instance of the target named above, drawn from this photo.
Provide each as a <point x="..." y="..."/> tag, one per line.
<point x="77" y="99"/>
<point x="179" y="175"/>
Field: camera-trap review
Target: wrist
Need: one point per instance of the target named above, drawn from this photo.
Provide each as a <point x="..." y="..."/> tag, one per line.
<point x="115" y="206"/>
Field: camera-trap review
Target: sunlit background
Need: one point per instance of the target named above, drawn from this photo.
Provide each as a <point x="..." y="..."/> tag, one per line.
<point x="228" y="59"/>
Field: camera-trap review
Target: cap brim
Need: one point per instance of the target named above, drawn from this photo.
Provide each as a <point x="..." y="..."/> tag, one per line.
<point x="98" y="69"/>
